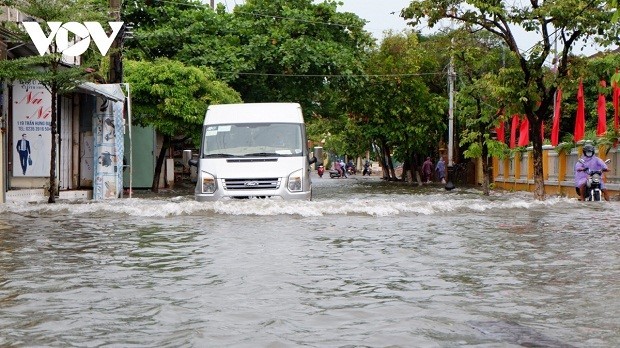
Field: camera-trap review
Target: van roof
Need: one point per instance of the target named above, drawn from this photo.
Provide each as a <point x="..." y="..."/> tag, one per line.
<point x="254" y="113"/>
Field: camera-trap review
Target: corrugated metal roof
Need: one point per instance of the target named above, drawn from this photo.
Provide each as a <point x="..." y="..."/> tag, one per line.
<point x="110" y="91"/>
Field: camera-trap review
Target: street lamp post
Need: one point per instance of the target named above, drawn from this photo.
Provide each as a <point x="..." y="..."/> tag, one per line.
<point x="451" y="75"/>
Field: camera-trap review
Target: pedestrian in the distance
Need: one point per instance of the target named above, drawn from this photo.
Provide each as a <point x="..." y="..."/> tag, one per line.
<point x="427" y="170"/>
<point x="440" y="168"/>
<point x="344" y="168"/>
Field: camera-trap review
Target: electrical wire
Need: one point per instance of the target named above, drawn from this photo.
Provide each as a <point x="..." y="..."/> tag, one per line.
<point x="330" y="75"/>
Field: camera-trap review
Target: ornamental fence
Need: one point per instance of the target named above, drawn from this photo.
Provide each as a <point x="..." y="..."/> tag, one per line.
<point x="516" y="173"/>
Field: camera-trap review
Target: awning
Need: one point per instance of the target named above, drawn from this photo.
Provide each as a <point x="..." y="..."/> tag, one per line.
<point x="108" y="91"/>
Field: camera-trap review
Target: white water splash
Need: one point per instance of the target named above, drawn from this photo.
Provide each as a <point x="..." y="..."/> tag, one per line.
<point x="377" y="205"/>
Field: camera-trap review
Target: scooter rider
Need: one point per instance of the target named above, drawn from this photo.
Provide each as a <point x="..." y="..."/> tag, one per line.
<point x="593" y="163"/>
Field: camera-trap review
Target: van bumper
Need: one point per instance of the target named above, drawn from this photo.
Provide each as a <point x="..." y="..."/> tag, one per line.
<point x="281" y="193"/>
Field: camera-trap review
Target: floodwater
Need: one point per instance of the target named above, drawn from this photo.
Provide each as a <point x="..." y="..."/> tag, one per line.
<point x="365" y="264"/>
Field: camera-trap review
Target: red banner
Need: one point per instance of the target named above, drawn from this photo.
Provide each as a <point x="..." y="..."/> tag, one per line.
<point x="501" y="132"/>
<point x="524" y="132"/>
<point x="616" y="98"/>
<point x="601" y="127"/>
<point x="555" y="129"/>
<point x="513" y="131"/>
<point x="580" y="121"/>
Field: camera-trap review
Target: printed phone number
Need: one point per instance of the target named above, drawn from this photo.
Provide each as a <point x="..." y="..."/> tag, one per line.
<point x="35" y="129"/>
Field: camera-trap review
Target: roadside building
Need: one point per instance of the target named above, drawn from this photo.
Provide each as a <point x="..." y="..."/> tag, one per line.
<point x="90" y="141"/>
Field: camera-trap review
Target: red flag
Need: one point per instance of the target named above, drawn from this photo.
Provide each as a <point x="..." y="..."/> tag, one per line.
<point x="601" y="127"/>
<point x="580" y="122"/>
<point x="524" y="132"/>
<point x="513" y="131"/>
<point x="555" y="130"/>
<point x="501" y="132"/>
<point x="616" y="98"/>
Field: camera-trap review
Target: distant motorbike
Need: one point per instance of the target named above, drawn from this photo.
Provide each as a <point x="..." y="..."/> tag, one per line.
<point x="351" y="170"/>
<point x="367" y="170"/>
<point x="320" y="170"/>
<point x="334" y="174"/>
<point x="593" y="185"/>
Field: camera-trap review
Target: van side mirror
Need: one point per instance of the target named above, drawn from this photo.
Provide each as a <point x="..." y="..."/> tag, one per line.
<point x="312" y="160"/>
<point x="193" y="162"/>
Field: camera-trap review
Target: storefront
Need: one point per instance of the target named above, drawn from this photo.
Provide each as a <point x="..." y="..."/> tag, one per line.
<point x="89" y="143"/>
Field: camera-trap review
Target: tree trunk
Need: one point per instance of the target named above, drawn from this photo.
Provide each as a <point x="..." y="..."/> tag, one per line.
<point x="417" y="170"/>
<point x="391" y="164"/>
<point x="383" y="159"/>
<point x="485" y="170"/>
<point x="54" y="124"/>
<point x="406" y="169"/>
<point x="412" y="168"/>
<point x="159" y="164"/>
<point x="539" y="180"/>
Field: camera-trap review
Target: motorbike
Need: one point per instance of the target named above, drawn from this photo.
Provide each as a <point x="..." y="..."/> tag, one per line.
<point x="334" y="174"/>
<point x="320" y="170"/>
<point x="593" y="184"/>
<point x="367" y="170"/>
<point x="351" y="170"/>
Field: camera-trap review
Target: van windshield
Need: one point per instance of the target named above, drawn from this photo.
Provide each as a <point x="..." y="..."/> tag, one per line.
<point x="253" y="140"/>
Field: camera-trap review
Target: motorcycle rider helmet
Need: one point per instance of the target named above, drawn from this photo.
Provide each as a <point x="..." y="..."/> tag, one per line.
<point x="588" y="150"/>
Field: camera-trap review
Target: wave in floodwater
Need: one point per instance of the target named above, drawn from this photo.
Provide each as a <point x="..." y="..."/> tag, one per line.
<point x="370" y="205"/>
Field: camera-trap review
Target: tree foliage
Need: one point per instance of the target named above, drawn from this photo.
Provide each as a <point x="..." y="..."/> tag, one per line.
<point x="173" y="98"/>
<point x="478" y="59"/>
<point x="392" y="105"/>
<point x="266" y="50"/>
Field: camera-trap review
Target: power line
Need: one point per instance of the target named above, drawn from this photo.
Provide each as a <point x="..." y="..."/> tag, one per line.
<point x="329" y="75"/>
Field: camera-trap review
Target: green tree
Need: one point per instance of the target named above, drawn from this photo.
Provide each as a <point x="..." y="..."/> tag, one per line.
<point x="394" y="107"/>
<point x="173" y="98"/>
<point x="478" y="59"/>
<point x="529" y="89"/>
<point x="273" y="51"/>
<point x="49" y="70"/>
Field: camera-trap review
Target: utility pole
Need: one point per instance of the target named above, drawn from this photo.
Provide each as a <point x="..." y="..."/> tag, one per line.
<point x="451" y="77"/>
<point x="213" y="4"/>
<point x="116" y="62"/>
<point x="3" y="119"/>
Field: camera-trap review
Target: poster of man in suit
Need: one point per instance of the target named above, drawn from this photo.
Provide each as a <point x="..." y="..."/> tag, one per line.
<point x="31" y="131"/>
<point x="23" y="148"/>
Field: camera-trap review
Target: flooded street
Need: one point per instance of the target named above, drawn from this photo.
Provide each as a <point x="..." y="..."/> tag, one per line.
<point x="364" y="263"/>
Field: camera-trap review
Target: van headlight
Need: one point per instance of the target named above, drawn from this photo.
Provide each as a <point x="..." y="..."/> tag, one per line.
<point x="295" y="181"/>
<point x="208" y="183"/>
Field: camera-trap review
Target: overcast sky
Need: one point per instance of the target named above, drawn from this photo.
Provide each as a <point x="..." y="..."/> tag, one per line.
<point x="383" y="15"/>
<point x="377" y="12"/>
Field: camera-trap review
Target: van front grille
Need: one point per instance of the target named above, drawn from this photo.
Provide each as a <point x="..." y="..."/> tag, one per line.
<point x="251" y="184"/>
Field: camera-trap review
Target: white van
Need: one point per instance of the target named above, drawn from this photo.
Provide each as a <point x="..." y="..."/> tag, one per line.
<point x="253" y="150"/>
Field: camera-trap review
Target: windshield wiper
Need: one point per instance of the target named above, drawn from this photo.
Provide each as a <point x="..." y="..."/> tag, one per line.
<point x="261" y="154"/>
<point x="219" y="155"/>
